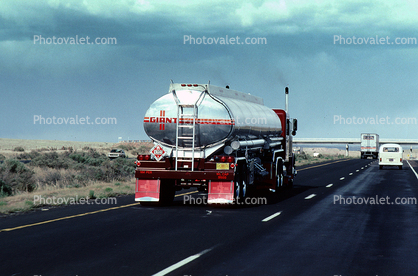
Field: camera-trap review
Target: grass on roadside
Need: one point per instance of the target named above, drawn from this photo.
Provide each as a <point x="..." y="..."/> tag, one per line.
<point x="306" y="159"/>
<point x="26" y="201"/>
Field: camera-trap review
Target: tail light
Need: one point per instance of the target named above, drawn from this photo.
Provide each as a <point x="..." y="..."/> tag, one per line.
<point x="380" y="159"/>
<point x="143" y="157"/>
<point x="224" y="158"/>
<point x="401" y="159"/>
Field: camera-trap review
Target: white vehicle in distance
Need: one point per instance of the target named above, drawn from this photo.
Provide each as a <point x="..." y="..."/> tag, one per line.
<point x="115" y="153"/>
<point x="390" y="155"/>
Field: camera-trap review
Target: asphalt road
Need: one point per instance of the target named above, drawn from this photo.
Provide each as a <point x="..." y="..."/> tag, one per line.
<point x="317" y="228"/>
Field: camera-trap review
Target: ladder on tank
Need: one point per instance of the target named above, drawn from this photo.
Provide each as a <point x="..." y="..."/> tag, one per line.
<point x="186" y="121"/>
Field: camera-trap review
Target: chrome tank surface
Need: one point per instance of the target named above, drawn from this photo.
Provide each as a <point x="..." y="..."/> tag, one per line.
<point x="222" y="115"/>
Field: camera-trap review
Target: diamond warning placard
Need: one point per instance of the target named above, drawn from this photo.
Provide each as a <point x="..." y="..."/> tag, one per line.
<point x="158" y="152"/>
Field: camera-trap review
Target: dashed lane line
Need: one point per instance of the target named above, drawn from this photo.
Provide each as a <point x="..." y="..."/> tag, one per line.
<point x="272" y="216"/>
<point x="181" y="263"/>
<point x="310" y="196"/>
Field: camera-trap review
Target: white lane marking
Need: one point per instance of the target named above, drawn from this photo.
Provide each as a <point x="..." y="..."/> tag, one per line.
<point x="362" y="168"/>
<point x="357" y="170"/>
<point x="416" y="174"/>
<point x="181" y="263"/>
<point x="342" y="178"/>
<point x="329" y="185"/>
<point x="310" y="196"/>
<point x="272" y="216"/>
<point x="350" y="174"/>
<point x="365" y="166"/>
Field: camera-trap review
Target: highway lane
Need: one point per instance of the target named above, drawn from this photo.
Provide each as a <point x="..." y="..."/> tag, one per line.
<point x="334" y="236"/>
<point x="136" y="240"/>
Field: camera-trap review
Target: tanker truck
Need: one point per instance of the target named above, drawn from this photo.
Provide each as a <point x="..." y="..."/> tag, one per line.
<point x="220" y="141"/>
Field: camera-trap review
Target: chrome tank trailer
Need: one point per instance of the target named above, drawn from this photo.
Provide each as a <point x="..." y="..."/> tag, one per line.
<point x="211" y="114"/>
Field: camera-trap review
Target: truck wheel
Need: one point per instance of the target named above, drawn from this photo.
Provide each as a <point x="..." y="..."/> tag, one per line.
<point x="380" y="167"/>
<point x="240" y="190"/>
<point x="400" y="167"/>
<point x="167" y="191"/>
<point x="240" y="184"/>
<point x="279" y="181"/>
<point x="279" y="173"/>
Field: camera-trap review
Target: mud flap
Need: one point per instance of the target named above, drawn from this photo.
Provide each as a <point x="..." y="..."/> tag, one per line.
<point x="221" y="192"/>
<point x="147" y="190"/>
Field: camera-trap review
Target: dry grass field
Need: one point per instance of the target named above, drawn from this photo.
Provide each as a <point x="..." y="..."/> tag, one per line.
<point x="63" y="170"/>
<point x="10" y="144"/>
<point x="7" y="146"/>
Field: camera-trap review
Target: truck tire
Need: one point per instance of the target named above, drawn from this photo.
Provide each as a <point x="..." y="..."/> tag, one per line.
<point x="279" y="173"/>
<point x="290" y="183"/>
<point x="400" y="167"/>
<point x="240" y="184"/>
<point x="380" y="167"/>
<point x="167" y="192"/>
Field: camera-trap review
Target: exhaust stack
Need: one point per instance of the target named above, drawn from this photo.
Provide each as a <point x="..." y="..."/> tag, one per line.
<point x="286" y="91"/>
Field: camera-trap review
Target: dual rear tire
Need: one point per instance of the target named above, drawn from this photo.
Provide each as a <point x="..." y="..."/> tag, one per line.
<point x="167" y="193"/>
<point x="240" y="184"/>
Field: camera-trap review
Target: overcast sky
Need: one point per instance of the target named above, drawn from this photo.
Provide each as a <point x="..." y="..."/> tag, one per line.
<point x="330" y="81"/>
